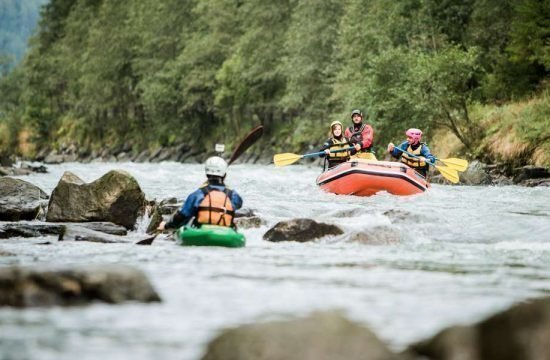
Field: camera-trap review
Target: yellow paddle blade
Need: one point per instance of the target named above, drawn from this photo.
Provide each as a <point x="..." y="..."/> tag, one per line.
<point x="457" y="164"/>
<point x="448" y="173"/>
<point x="285" y="159"/>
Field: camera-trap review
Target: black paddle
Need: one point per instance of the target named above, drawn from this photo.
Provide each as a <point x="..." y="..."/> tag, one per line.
<point x="247" y="142"/>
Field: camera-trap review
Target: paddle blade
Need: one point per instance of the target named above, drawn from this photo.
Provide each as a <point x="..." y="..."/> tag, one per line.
<point x="147" y="241"/>
<point x="457" y="164"/>
<point x="285" y="159"/>
<point x="247" y="142"/>
<point x="448" y="173"/>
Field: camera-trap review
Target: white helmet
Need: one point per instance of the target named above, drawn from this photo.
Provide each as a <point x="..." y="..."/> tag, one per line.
<point x="216" y="166"/>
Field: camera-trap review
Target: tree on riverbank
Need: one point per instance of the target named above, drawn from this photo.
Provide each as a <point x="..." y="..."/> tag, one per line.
<point x="154" y="73"/>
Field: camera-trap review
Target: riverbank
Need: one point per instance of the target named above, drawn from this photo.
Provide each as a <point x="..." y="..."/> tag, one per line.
<point x="478" y="173"/>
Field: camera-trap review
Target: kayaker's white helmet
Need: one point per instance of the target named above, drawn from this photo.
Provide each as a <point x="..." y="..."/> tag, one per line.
<point x="215" y="166"/>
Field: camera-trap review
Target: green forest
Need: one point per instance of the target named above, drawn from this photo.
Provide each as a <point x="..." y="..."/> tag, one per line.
<point x="149" y="73"/>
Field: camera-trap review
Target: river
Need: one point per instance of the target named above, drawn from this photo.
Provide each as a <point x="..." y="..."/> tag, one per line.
<point x="464" y="253"/>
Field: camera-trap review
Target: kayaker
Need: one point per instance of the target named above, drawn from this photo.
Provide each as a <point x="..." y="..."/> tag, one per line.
<point x="360" y="135"/>
<point x="337" y="141"/>
<point x="213" y="203"/>
<point x="413" y="146"/>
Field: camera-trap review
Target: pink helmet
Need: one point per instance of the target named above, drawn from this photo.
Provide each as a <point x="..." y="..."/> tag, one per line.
<point x="415" y="134"/>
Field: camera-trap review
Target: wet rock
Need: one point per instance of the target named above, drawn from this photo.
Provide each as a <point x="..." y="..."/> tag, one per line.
<point x="21" y="172"/>
<point x="246" y="218"/>
<point x="35" y="167"/>
<point x="520" y="333"/>
<point x="78" y="232"/>
<point x="476" y="174"/>
<point x="501" y="180"/>
<point x="39" y="228"/>
<point x="123" y="157"/>
<point x="54" y="158"/>
<point x="244" y="212"/>
<point x="155" y="154"/>
<point x="398" y="216"/>
<point x="438" y="179"/>
<point x="157" y="212"/>
<point x="536" y="182"/>
<point x="29" y="229"/>
<point x="104" y="227"/>
<point x="19" y="200"/>
<point x="321" y="336"/>
<point x="33" y="286"/>
<point x="156" y="219"/>
<point x="530" y="172"/>
<point x="115" y="197"/>
<point x="300" y="230"/>
<point x="348" y="213"/>
<point x="142" y="157"/>
<point x="169" y="206"/>
<point x="377" y="235"/>
<point x="249" y="222"/>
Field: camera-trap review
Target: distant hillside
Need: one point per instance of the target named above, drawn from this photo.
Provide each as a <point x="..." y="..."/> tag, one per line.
<point x="18" y="20"/>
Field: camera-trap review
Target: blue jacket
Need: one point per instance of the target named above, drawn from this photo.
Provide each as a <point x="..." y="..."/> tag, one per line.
<point x="191" y="206"/>
<point x="424" y="151"/>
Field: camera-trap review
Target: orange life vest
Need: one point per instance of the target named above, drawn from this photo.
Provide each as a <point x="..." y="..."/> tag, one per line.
<point x="216" y="207"/>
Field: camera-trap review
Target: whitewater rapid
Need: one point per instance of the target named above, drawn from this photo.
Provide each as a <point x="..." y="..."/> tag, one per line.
<point x="457" y="254"/>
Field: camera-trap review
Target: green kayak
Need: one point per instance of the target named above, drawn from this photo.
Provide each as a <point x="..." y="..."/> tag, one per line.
<point x="210" y="235"/>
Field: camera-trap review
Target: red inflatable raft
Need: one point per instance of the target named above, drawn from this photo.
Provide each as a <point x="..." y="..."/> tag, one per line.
<point x="367" y="177"/>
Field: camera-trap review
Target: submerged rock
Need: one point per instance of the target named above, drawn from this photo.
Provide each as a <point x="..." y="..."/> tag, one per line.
<point x="300" y="230"/>
<point x="250" y="222"/>
<point x="321" y="336"/>
<point x="115" y="197"/>
<point x="27" y="287"/>
<point x="377" y="235"/>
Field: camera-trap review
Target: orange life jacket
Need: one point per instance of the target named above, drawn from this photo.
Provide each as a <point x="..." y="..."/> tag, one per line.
<point x="216" y="207"/>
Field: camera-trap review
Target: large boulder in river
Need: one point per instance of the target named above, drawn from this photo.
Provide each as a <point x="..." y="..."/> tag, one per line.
<point x="520" y="333"/>
<point x="476" y="174"/>
<point x="300" y="230"/>
<point x="322" y="336"/>
<point x="19" y="200"/>
<point x="25" y="287"/>
<point x="115" y="197"/>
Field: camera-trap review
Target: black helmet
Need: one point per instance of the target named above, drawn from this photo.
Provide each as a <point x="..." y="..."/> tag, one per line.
<point x="356" y="112"/>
